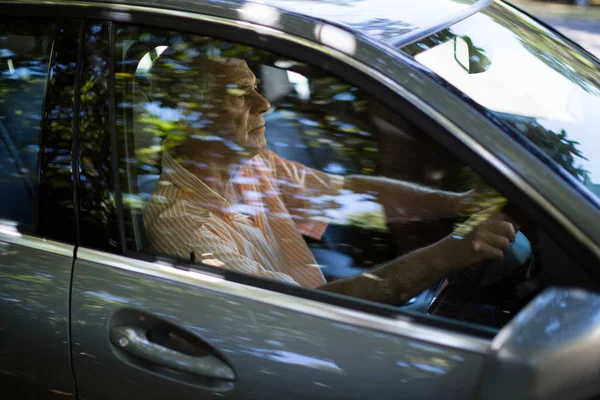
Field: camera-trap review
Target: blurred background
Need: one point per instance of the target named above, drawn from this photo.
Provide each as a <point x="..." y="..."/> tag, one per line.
<point x="579" y="20"/>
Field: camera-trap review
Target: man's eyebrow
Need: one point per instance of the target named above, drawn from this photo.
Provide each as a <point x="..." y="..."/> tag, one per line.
<point x="244" y="84"/>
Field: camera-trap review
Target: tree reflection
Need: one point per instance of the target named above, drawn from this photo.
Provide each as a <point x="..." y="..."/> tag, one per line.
<point x="557" y="146"/>
<point x="555" y="53"/>
<point x="34" y="298"/>
<point x="96" y="189"/>
<point x="24" y="59"/>
<point x="260" y="340"/>
<point x="383" y="29"/>
<point x="545" y="47"/>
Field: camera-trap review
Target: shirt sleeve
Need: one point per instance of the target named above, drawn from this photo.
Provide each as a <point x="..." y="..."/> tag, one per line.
<point x="307" y="193"/>
<point x="208" y="247"/>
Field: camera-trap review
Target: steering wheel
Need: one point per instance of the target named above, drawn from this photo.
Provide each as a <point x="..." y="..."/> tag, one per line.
<point x="488" y="292"/>
<point x="516" y="259"/>
<point x="485" y="276"/>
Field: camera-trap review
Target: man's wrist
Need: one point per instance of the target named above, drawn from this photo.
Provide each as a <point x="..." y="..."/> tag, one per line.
<point x="446" y="254"/>
<point x="463" y="203"/>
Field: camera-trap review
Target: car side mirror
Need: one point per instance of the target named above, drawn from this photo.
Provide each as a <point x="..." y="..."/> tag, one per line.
<point x="550" y="350"/>
<point x="471" y="58"/>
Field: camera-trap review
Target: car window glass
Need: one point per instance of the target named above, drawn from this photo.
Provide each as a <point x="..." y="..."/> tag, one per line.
<point x="24" y="58"/>
<point x="533" y="81"/>
<point x="235" y="158"/>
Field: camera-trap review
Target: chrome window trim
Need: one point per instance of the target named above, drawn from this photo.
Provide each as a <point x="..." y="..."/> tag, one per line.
<point x="400" y="326"/>
<point x="10" y="234"/>
<point x="318" y="309"/>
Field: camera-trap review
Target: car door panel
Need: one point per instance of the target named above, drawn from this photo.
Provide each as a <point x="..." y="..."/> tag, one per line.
<point x="274" y="352"/>
<point x="34" y="318"/>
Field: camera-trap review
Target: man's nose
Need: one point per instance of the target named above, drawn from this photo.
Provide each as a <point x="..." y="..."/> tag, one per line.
<point x="260" y="105"/>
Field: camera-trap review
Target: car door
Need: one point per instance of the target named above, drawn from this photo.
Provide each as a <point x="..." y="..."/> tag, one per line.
<point x="256" y="343"/>
<point x="153" y="325"/>
<point x="37" y="221"/>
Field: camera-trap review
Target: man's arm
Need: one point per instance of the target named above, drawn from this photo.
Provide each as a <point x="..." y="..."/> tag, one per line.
<point x="403" y="278"/>
<point x="183" y="236"/>
<point x="405" y="199"/>
<point x="400" y="199"/>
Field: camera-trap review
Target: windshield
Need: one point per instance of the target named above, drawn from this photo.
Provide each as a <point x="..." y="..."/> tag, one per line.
<point x="528" y="77"/>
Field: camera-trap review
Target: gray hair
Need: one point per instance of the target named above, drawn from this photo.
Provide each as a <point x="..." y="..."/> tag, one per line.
<point x="173" y="80"/>
<point x="181" y="76"/>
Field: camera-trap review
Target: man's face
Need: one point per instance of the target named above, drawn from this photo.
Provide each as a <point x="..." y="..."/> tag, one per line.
<point x="238" y="108"/>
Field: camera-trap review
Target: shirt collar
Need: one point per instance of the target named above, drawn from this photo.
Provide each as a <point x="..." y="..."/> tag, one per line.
<point x="192" y="186"/>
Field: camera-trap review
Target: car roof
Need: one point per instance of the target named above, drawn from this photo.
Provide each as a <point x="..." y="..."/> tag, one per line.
<point x="390" y="21"/>
<point x="394" y="22"/>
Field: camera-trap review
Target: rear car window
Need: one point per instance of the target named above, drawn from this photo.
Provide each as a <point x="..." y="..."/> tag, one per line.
<point x="528" y="77"/>
<point x="24" y="58"/>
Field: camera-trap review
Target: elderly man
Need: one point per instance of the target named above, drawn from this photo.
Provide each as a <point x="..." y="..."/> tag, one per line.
<point x="235" y="205"/>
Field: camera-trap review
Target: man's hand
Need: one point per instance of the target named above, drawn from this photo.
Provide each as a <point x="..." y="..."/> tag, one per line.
<point x="474" y="201"/>
<point x="477" y="240"/>
<point x="485" y="236"/>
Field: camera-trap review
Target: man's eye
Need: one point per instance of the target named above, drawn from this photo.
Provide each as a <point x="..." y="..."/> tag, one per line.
<point x="237" y="92"/>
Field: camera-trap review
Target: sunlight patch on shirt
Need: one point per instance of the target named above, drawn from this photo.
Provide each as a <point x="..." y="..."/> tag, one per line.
<point x="213" y="262"/>
<point x="244" y="180"/>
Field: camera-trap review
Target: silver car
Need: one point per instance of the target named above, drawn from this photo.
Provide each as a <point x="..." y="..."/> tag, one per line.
<point x="458" y="96"/>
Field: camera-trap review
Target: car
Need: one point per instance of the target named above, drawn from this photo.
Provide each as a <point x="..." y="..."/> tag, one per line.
<point x="466" y="99"/>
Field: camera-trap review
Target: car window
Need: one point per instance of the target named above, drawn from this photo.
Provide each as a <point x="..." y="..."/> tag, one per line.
<point x="24" y="58"/>
<point x="234" y="158"/>
<point x="535" y="82"/>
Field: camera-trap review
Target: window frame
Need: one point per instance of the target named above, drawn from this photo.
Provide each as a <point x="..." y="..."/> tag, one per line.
<point x="316" y="56"/>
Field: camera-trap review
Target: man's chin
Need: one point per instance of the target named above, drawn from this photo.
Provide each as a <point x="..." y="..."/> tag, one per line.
<point x="254" y="150"/>
<point x="256" y="146"/>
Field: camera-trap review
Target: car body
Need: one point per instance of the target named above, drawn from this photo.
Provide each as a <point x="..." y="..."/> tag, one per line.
<point x="79" y="299"/>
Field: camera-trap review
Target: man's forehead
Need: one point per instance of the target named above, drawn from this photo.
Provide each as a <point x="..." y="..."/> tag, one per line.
<point x="233" y="70"/>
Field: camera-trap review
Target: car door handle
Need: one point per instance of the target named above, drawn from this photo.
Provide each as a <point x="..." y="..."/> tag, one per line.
<point x="135" y="341"/>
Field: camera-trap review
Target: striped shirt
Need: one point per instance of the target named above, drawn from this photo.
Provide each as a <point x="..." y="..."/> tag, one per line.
<point x="262" y="236"/>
